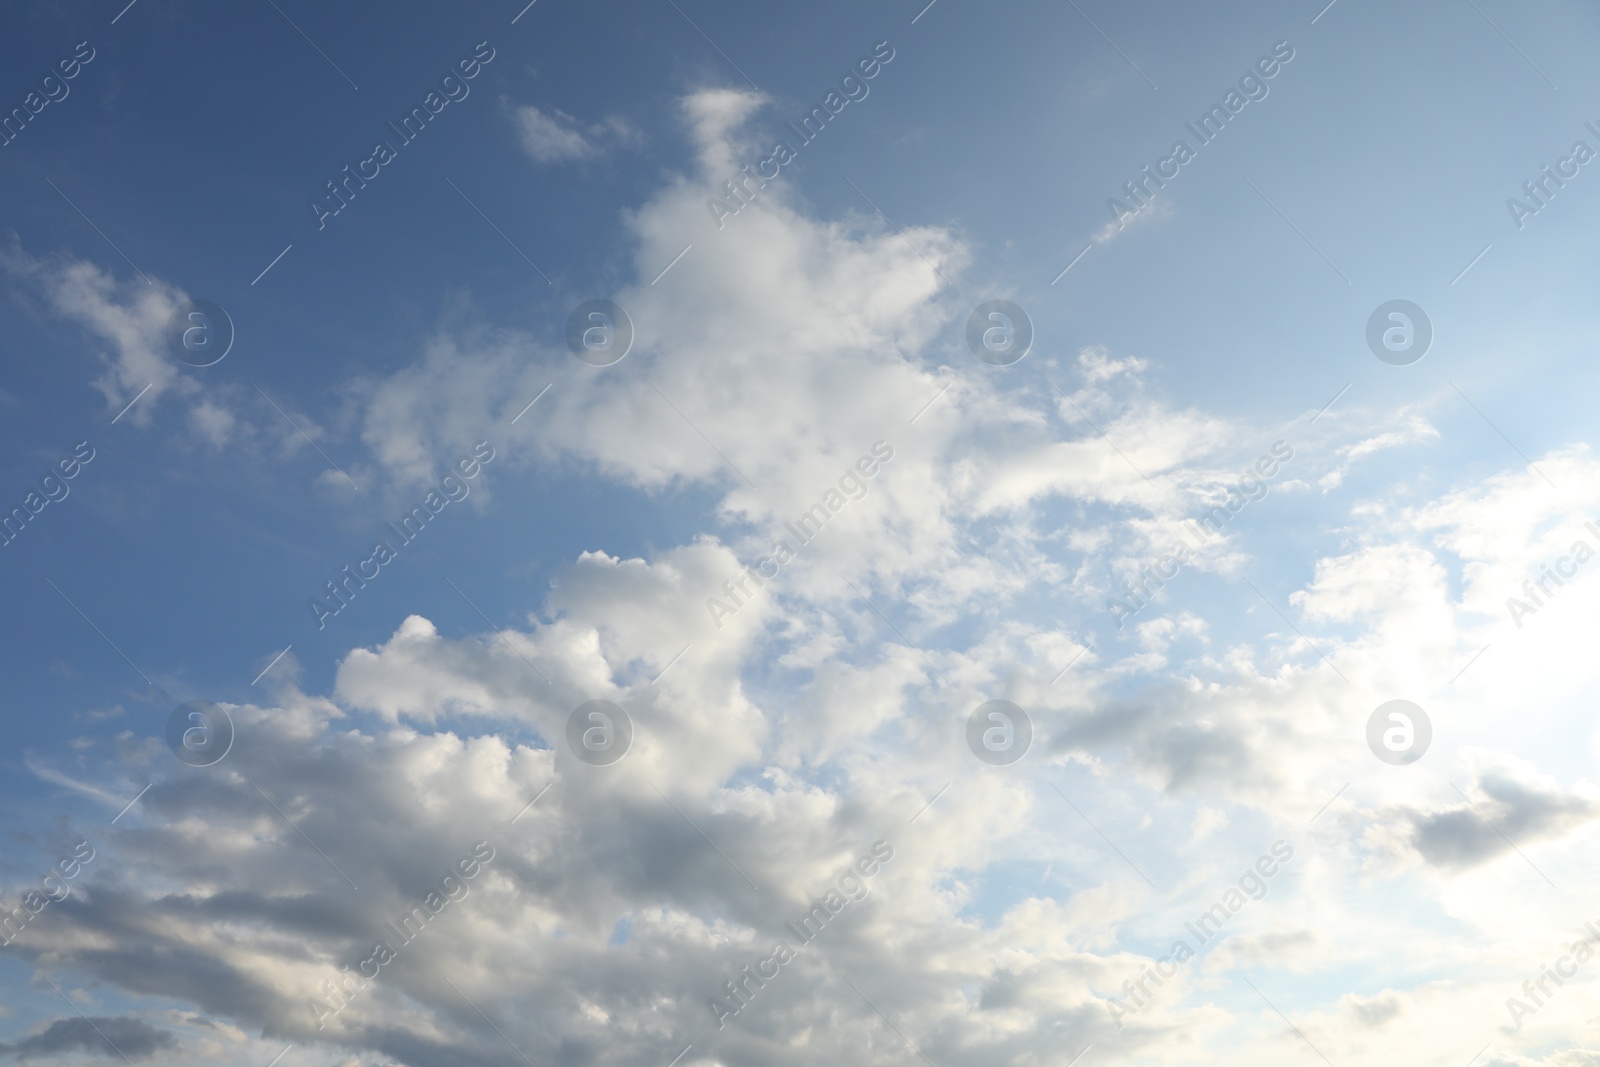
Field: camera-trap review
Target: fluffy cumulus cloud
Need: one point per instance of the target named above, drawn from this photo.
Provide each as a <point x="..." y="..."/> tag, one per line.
<point x="800" y="859"/>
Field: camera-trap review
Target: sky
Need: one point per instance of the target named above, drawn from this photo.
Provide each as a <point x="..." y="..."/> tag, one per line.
<point x="678" y="533"/>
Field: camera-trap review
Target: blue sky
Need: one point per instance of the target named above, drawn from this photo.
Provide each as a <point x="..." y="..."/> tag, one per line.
<point x="374" y="350"/>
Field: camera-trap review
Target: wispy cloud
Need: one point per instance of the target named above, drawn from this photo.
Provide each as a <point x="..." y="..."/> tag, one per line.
<point x="553" y="136"/>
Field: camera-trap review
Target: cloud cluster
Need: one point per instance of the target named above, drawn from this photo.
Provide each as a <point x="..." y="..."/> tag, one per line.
<point x="829" y="713"/>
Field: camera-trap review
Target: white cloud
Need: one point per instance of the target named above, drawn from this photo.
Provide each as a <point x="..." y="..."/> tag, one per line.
<point x="553" y="136"/>
<point x="781" y="745"/>
<point x="129" y="315"/>
<point x="1142" y="214"/>
<point x="139" y="372"/>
